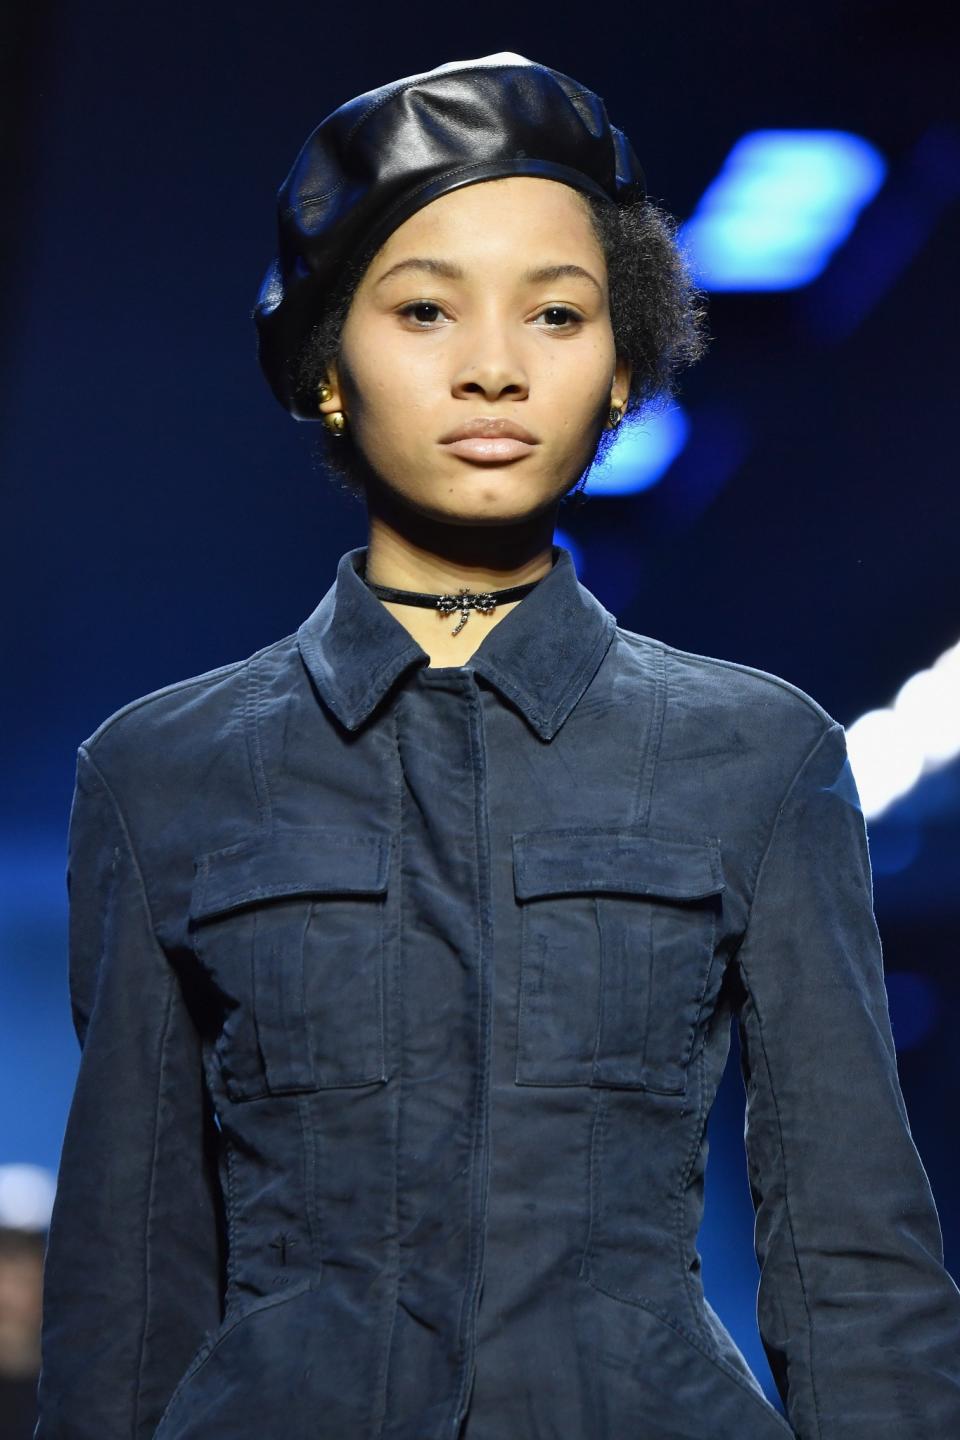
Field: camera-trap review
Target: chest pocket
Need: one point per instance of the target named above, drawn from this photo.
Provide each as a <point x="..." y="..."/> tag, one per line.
<point x="290" y="926"/>
<point x="617" y="944"/>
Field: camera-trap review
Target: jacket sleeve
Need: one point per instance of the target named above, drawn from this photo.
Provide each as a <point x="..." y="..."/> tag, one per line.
<point x="132" y="1274"/>
<point x="859" y="1319"/>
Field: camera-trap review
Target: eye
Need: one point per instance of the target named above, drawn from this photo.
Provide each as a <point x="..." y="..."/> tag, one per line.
<point x="559" y="317"/>
<point x="423" y="313"/>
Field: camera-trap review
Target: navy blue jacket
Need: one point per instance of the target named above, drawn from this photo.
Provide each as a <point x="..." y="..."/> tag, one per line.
<point x="404" y="994"/>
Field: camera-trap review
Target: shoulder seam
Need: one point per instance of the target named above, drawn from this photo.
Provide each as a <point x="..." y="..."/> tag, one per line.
<point x="178" y="685"/>
<point x="125" y="832"/>
<point x="736" y="665"/>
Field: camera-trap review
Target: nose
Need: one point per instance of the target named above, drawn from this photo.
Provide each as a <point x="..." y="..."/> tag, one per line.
<point x="490" y="366"/>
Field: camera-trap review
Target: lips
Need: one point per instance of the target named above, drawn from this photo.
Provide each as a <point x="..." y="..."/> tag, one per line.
<point x="489" y="439"/>
<point x="489" y="428"/>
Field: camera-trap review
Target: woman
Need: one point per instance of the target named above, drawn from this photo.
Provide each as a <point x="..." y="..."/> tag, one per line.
<point x="404" y="952"/>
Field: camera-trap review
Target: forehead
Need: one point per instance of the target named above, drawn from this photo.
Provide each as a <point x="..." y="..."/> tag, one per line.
<point x="501" y="214"/>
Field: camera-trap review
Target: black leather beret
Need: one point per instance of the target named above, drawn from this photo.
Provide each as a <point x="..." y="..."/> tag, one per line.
<point x="380" y="157"/>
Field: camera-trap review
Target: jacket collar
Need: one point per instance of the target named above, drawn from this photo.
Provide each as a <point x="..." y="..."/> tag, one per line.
<point x="541" y="656"/>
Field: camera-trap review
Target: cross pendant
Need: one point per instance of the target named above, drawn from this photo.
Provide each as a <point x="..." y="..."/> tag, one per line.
<point x="283" y="1243"/>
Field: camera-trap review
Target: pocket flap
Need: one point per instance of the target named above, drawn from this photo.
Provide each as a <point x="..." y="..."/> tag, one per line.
<point x="635" y="862"/>
<point x="305" y="861"/>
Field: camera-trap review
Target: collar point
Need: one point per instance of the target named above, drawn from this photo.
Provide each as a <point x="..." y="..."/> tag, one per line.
<point x="546" y="729"/>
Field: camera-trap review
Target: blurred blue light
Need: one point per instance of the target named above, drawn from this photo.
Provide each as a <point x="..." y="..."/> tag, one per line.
<point x="885" y="242"/>
<point x="643" y="451"/>
<point x="914" y="1007"/>
<point x="560" y="537"/>
<point x="781" y="204"/>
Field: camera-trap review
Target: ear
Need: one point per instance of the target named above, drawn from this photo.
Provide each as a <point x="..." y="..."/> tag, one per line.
<point x="331" y="394"/>
<point x="620" y="388"/>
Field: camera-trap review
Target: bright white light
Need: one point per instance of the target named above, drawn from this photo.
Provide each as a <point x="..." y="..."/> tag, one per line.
<point x="891" y="748"/>
<point x="929" y="703"/>
<point x="26" y="1196"/>
<point x="642" y="452"/>
<point x="781" y="204"/>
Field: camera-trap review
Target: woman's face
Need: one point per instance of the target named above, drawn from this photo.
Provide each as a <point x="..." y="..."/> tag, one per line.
<point x="488" y="305"/>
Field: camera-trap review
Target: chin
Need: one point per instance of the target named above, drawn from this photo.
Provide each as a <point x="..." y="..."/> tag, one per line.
<point x="468" y="494"/>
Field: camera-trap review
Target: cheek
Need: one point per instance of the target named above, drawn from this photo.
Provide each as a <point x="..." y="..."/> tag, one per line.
<point x="576" y="387"/>
<point x="389" y="404"/>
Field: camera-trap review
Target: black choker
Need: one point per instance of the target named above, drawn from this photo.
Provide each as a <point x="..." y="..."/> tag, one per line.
<point x="464" y="600"/>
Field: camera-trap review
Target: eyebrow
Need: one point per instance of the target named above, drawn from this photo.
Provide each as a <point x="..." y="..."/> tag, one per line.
<point x="448" y="271"/>
<point x="444" y="268"/>
<point x="545" y="273"/>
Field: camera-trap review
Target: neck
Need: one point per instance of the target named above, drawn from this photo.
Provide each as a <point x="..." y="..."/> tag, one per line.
<point x="441" y="558"/>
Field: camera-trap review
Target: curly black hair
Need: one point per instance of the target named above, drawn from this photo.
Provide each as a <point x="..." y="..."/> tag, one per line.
<point x="658" y="316"/>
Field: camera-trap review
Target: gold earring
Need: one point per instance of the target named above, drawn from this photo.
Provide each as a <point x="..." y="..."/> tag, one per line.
<point x="335" y="421"/>
<point x="616" y="415"/>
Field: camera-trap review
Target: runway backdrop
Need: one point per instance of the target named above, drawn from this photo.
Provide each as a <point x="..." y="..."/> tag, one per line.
<point x="797" y="511"/>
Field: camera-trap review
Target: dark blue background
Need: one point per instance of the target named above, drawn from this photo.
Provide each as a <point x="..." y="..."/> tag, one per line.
<point x="163" y="515"/>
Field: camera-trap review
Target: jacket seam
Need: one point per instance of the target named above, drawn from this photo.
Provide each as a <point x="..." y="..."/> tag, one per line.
<point x="735" y="665"/>
<point x="650" y="760"/>
<point x="148" y="1223"/>
<point x="231" y="1210"/>
<point x="708" y="1354"/>
<point x="251" y="717"/>
<point x="191" y="682"/>
<point x="308" y="1179"/>
<point x="829" y="730"/>
<point x="214" y="1339"/>
<point x="694" y="1148"/>
<point x="594" y="1145"/>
